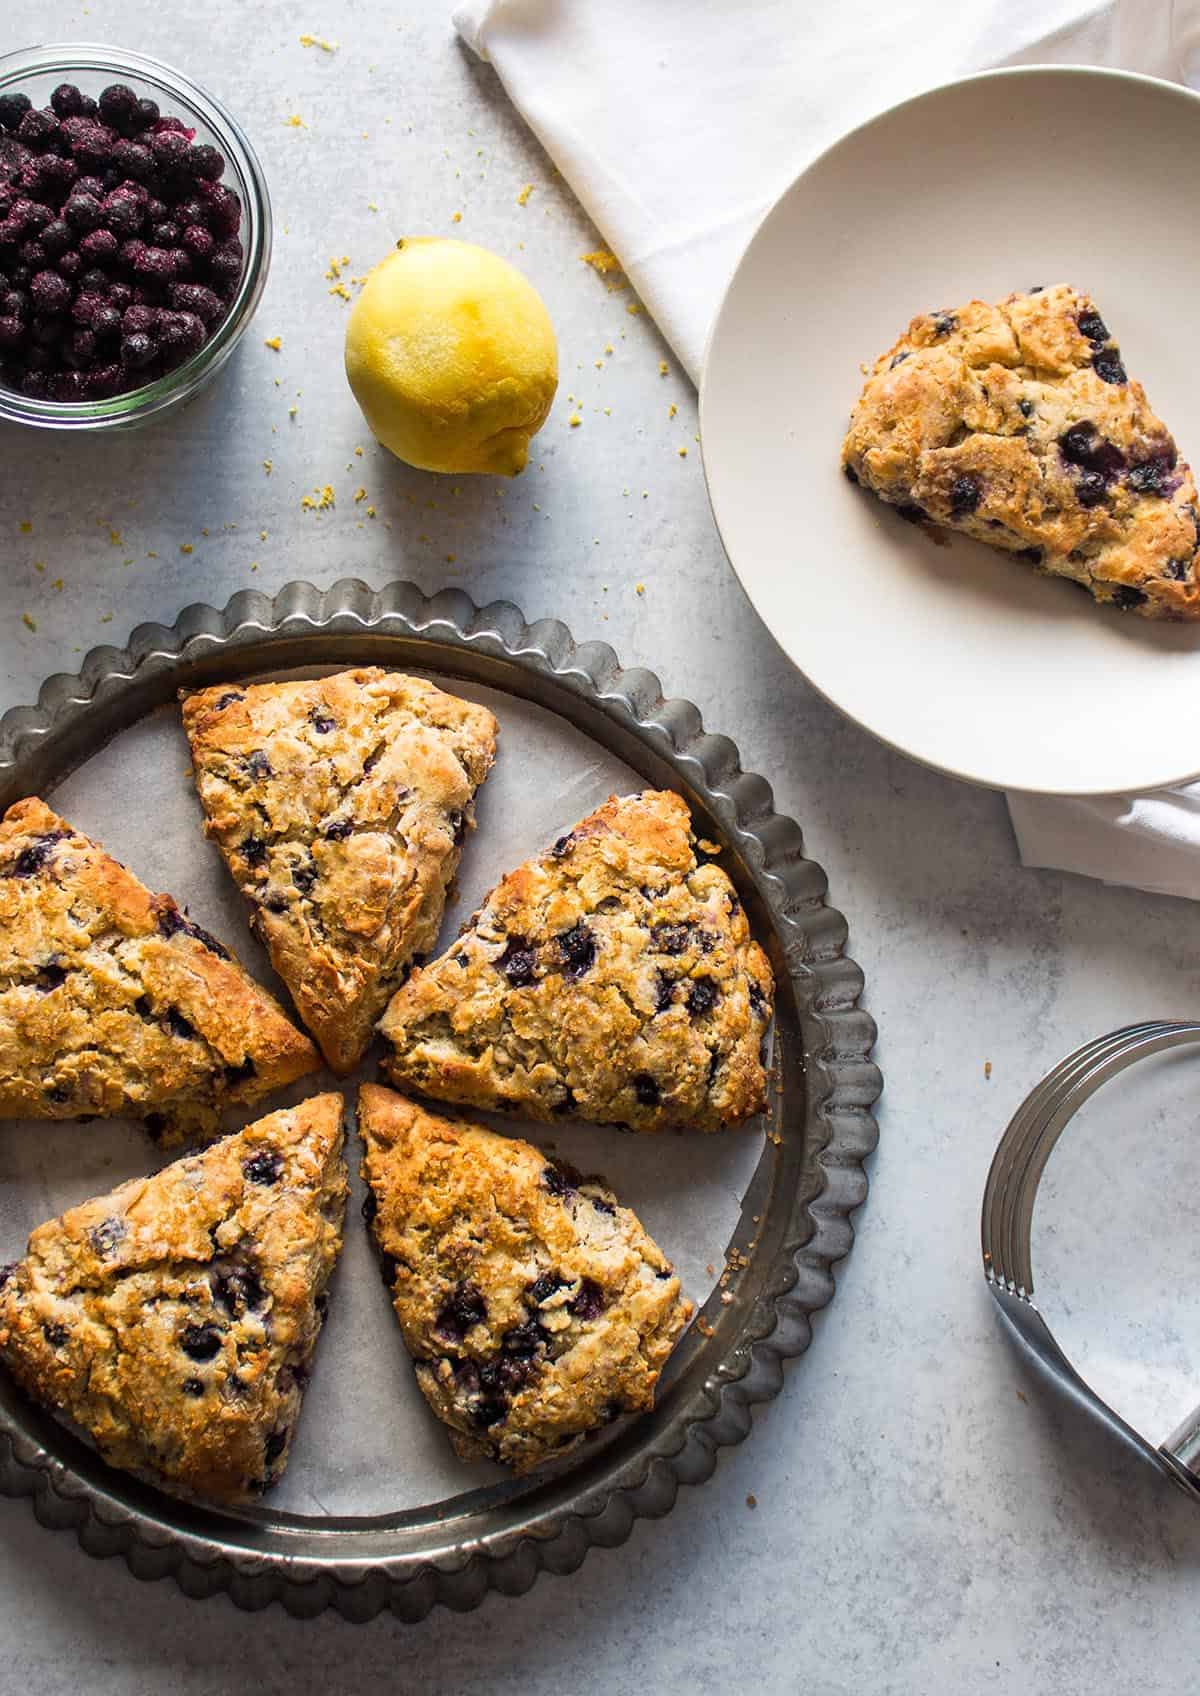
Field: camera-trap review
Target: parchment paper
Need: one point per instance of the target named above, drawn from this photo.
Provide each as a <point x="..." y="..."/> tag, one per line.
<point x="366" y="1443"/>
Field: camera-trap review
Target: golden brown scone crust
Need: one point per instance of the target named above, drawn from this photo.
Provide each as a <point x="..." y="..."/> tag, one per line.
<point x="113" y="1003"/>
<point x="614" y="980"/>
<point x="1018" y="424"/>
<point x="534" y="1305"/>
<point x="341" y="805"/>
<point x="174" y="1320"/>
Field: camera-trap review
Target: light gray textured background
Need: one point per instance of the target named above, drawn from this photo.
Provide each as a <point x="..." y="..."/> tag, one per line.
<point x="925" y="1520"/>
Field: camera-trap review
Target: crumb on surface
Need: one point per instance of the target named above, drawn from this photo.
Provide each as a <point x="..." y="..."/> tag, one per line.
<point x="664" y="370"/>
<point x="633" y="308"/>
<point x="672" y="410"/>
<point x="603" y="261"/>
<point x="28" y="622"/>
<point x="574" y="421"/>
<point x="987" y="1068"/>
<point x="295" y="122"/>
<point x="268" y="466"/>
<point x="275" y="342"/>
<point x="186" y="548"/>
<point x="358" y="451"/>
<point x="360" y="494"/>
<point x="370" y="512"/>
<point x="523" y="197"/>
<point x="25" y="527"/>
<point x="751" y="1500"/>
<point x="639" y="588"/>
<point x="114" y="538"/>
<point x="683" y="453"/>
<point x="307" y="40"/>
<point x="320" y="500"/>
<point x="456" y="217"/>
<point x="342" y="290"/>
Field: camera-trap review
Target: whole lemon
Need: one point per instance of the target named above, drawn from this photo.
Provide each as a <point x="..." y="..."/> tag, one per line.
<point x="452" y="357"/>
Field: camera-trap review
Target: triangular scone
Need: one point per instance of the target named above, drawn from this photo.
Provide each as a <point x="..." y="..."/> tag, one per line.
<point x="613" y="980"/>
<point x="534" y="1305"/>
<point x="174" y="1320"/>
<point x="113" y="1003"/>
<point x="1019" y="425"/>
<point x="341" y="805"/>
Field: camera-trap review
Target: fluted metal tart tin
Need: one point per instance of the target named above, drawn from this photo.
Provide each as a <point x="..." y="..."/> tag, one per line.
<point x="795" y="1221"/>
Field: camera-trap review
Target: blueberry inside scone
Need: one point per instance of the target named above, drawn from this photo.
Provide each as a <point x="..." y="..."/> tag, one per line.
<point x="534" y="1305"/>
<point x="614" y="980"/>
<point x="1018" y="424"/>
<point x="175" y="1319"/>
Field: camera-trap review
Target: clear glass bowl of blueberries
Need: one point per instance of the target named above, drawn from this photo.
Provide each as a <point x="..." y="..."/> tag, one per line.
<point x="135" y="236"/>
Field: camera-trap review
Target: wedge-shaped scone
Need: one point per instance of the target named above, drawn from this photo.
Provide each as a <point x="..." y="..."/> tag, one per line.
<point x="1019" y="425"/>
<point x="534" y="1305"/>
<point x="613" y="980"/>
<point x="341" y="806"/>
<point x="113" y="1003"/>
<point x="174" y="1320"/>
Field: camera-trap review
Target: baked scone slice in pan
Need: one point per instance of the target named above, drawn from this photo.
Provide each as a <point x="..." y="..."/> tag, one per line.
<point x="174" y="1320"/>
<point x="341" y="806"/>
<point x="113" y="1003"/>
<point x="613" y="980"/>
<point x="1018" y="424"/>
<point x="534" y="1305"/>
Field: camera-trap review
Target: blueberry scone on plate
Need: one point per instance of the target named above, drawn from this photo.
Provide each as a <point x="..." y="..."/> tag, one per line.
<point x="1019" y="425"/>
<point x="113" y="1003"/>
<point x="614" y="979"/>
<point x="535" y="1307"/>
<point x="341" y="805"/>
<point x="174" y="1321"/>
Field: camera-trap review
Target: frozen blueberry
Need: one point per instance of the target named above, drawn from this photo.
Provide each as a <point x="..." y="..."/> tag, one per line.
<point x="198" y="241"/>
<point x="118" y="106"/>
<point x="38" y="129"/>
<point x="145" y="113"/>
<point x="106" y="321"/>
<point x="578" y="949"/>
<point x="263" y="1168"/>
<point x="156" y="264"/>
<point x="141" y="321"/>
<point x="57" y="238"/>
<point x="136" y="351"/>
<point x="122" y="213"/>
<point x="102" y="381"/>
<point x="463" y="1309"/>
<point x="83" y="211"/>
<point x="52" y="177"/>
<point x="518" y="962"/>
<point x="224" y="209"/>
<point x="170" y="147"/>
<point x="133" y="159"/>
<point x="588" y="1301"/>
<point x="205" y="162"/>
<point x="13" y="108"/>
<point x="1107" y="365"/>
<point x="200" y="1342"/>
<point x="646" y="1089"/>
<point x="13" y="332"/>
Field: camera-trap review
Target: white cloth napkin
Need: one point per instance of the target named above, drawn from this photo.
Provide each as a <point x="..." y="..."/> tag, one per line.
<point x="678" y="122"/>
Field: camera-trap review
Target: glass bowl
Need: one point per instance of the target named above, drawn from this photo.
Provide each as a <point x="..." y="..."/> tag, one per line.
<point x="37" y="71"/>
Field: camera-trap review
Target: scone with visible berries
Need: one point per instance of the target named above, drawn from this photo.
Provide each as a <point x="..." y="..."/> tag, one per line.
<point x="341" y="805"/>
<point x="175" y="1320"/>
<point x="614" y="980"/>
<point x="113" y="1003"/>
<point x="534" y="1305"/>
<point x="1019" y="425"/>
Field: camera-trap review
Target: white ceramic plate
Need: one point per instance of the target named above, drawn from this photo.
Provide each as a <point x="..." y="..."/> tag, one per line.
<point x="957" y="655"/>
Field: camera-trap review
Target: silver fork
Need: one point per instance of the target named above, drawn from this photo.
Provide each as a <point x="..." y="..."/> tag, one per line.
<point x="1007" y="1220"/>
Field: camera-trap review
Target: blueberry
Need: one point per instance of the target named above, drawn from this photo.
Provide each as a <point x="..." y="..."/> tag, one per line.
<point x="1091" y="489"/>
<point x="192" y="1387"/>
<point x="323" y="724"/>
<point x="544" y="1287"/>
<point x="1126" y="597"/>
<point x="758" y="1001"/>
<point x="56" y="1335"/>
<point x="13" y="108"/>
<point x="50" y="976"/>
<point x="83" y="211"/>
<point x="1178" y="570"/>
<point x="525" y="1339"/>
<point x="170" y="148"/>
<point x="518" y="962"/>
<point x="671" y="939"/>
<point x="563" y="846"/>
<point x="224" y="209"/>
<point x="240" y="1074"/>
<point x="558" y="1181"/>
<point x="107" y="1235"/>
<point x="38" y="129"/>
<point x="463" y="1309"/>
<point x="588" y="1302"/>
<point x="49" y="292"/>
<point x="238" y="1288"/>
<point x="944" y="323"/>
<point x="136" y="351"/>
<point x="258" y="765"/>
<point x="646" y="1089"/>
<point x="122" y="214"/>
<point x="274" y="1446"/>
<point x="264" y="1167"/>
<point x="1092" y="326"/>
<point x="850" y="474"/>
<point x="911" y="514"/>
<point x="145" y="114"/>
<point x="304" y="876"/>
<point x="1150" y="477"/>
<point x="133" y="159"/>
<point x="36" y="856"/>
<point x="228" y="699"/>
<point x="665" y="993"/>
<point x="13" y="332"/>
<point x="578" y="949"/>
<point x="118" y="106"/>
<point x="178" y="1025"/>
<point x="703" y="996"/>
<point x="205" y="162"/>
<point x="965" y="492"/>
<point x="337" y="830"/>
<point x="1108" y="366"/>
<point x="207" y="940"/>
<point x="254" y="850"/>
<point x="898" y="359"/>
<point x="200" y="1342"/>
<point x="489" y="1411"/>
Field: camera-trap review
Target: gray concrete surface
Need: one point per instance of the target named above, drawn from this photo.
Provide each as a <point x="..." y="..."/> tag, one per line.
<point x="925" y="1520"/>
